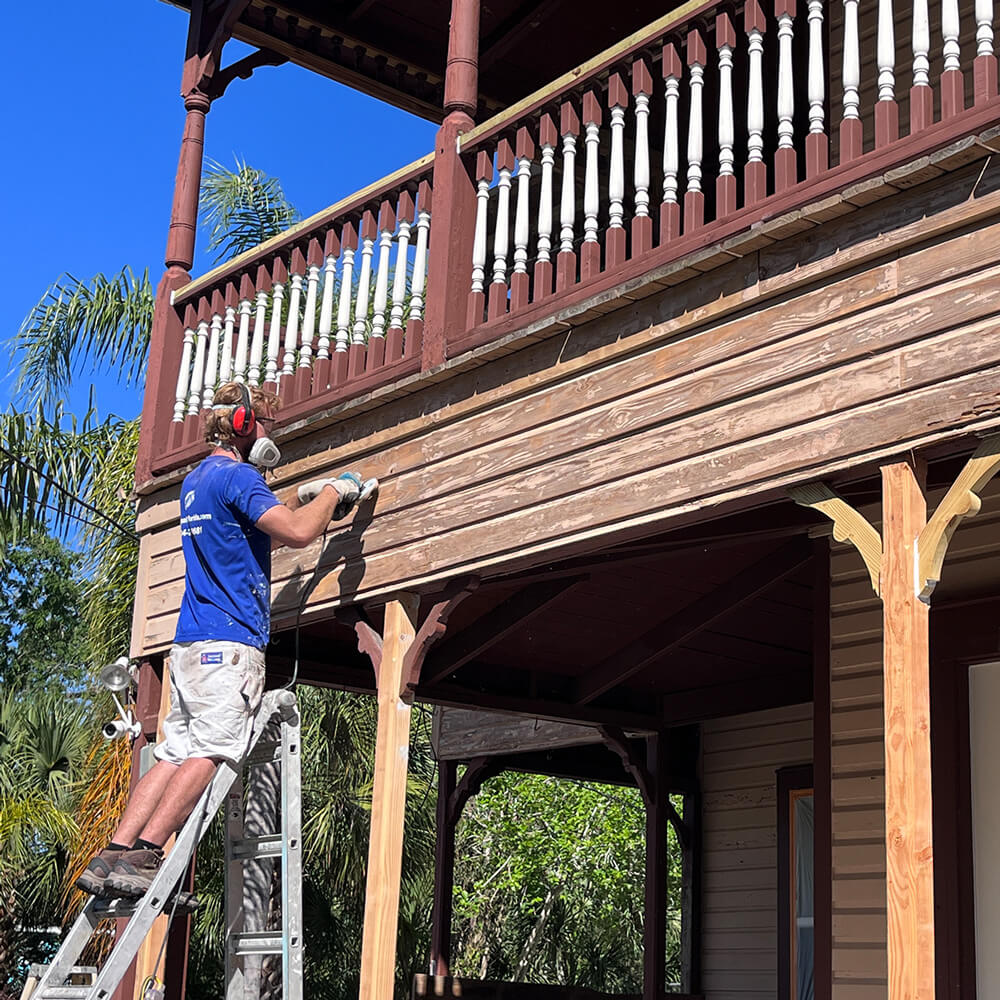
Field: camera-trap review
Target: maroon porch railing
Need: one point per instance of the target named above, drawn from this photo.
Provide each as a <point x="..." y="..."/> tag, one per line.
<point x="676" y="140"/>
<point x="712" y="118"/>
<point x="328" y="310"/>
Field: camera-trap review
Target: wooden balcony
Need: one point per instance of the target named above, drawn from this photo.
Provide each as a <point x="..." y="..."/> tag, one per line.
<point x="710" y="134"/>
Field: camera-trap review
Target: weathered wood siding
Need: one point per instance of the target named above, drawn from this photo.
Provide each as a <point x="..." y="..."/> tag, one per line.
<point x="740" y="873"/>
<point x="857" y="751"/>
<point x="847" y="342"/>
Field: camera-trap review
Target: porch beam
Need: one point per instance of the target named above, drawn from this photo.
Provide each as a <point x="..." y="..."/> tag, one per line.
<point x="691" y="620"/>
<point x="385" y="848"/>
<point x="494" y="626"/>
<point x="908" y="797"/>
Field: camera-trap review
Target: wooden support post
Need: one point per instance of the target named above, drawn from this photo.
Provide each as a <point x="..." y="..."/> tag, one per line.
<point x="444" y="871"/>
<point x="654" y="931"/>
<point x="385" y="850"/>
<point x="691" y="894"/>
<point x="908" y="803"/>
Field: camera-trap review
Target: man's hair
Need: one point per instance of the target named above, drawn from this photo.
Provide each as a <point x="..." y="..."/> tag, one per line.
<point x="219" y="423"/>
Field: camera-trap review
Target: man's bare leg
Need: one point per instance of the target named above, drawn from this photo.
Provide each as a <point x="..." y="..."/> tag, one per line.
<point x="178" y="798"/>
<point x="144" y="801"/>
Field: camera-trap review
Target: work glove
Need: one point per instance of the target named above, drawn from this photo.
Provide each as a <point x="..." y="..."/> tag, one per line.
<point x="348" y="486"/>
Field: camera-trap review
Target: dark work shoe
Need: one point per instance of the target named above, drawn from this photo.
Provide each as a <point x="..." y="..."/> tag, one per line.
<point x="133" y="873"/>
<point x="93" y="876"/>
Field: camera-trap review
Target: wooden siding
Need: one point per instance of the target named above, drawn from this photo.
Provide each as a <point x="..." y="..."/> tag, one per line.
<point x="857" y="752"/>
<point x="841" y="345"/>
<point x="740" y="875"/>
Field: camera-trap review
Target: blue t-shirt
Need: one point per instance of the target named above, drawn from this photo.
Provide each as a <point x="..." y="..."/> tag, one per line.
<point x="227" y="582"/>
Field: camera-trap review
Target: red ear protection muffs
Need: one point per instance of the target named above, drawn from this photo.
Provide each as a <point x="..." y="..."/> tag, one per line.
<point x="244" y="419"/>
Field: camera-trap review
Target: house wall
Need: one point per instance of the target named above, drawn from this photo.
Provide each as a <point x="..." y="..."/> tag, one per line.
<point x="847" y="342"/>
<point x="740" y="755"/>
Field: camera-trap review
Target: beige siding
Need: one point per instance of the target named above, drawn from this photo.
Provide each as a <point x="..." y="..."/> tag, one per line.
<point x="739" y="759"/>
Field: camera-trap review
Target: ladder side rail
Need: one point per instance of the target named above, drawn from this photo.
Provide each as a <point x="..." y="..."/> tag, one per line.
<point x="235" y="977"/>
<point x="291" y="857"/>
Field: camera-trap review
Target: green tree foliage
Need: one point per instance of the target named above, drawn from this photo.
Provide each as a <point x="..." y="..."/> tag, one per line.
<point x="42" y="642"/>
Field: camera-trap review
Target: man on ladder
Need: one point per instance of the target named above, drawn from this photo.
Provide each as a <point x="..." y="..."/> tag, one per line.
<point x="229" y="521"/>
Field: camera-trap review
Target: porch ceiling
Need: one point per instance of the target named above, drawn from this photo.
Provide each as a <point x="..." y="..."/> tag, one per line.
<point x="396" y="50"/>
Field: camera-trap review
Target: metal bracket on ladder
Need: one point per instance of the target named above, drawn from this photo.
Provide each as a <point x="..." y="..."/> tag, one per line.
<point x="275" y="741"/>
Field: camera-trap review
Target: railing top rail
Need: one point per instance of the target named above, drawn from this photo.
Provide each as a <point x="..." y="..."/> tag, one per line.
<point x="249" y="258"/>
<point x="630" y="45"/>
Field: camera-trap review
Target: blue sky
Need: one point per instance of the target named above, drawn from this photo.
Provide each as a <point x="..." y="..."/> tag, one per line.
<point x="94" y="121"/>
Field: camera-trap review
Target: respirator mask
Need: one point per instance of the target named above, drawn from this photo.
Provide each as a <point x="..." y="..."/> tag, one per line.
<point x="265" y="454"/>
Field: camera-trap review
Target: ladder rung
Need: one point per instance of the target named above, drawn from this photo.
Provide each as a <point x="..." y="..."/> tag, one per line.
<point x="257" y="943"/>
<point x="252" y="848"/>
<point x="63" y="993"/>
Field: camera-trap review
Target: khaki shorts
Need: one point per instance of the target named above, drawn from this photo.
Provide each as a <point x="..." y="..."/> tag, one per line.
<point x="216" y="689"/>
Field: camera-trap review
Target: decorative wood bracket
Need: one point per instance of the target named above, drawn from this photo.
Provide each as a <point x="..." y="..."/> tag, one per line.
<point x="961" y="501"/>
<point x="433" y="628"/>
<point x="616" y="740"/>
<point x="849" y="525"/>
<point x="479" y="770"/>
<point x="369" y="641"/>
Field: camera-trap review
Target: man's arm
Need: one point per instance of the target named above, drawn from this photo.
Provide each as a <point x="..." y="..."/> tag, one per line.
<point x="299" y="526"/>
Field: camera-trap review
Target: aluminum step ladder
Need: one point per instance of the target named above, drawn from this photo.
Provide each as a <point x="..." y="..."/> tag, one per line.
<point x="275" y="752"/>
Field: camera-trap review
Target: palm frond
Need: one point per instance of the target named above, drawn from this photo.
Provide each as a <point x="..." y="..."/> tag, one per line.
<point x="84" y="326"/>
<point x="242" y="208"/>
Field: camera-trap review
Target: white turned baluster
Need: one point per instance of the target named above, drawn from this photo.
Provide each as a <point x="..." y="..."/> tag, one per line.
<point x="727" y="125"/>
<point x="548" y="159"/>
<point x="479" y="235"/>
<point x="886" y="52"/>
<point x="309" y="316"/>
<point x="257" y="343"/>
<point x="786" y="83"/>
<point x="198" y="370"/>
<point x="242" y="341"/>
<point x="921" y="44"/>
<point x="984" y="27"/>
<point x="344" y="304"/>
<point x="567" y="200"/>
<point x="694" y="150"/>
<point x="292" y="327"/>
<point x="364" y="286"/>
<point x="326" y="308"/>
<point x="226" y="362"/>
<point x="591" y="194"/>
<point x="640" y="173"/>
<point x="382" y="282"/>
<point x="616" y="178"/>
<point x="950" y="31"/>
<point x="521" y="216"/>
<point x="183" y="376"/>
<point x="501" y="237"/>
<point x="420" y="264"/>
<point x="755" y="98"/>
<point x="817" y="76"/>
<point x="212" y="361"/>
<point x="399" y="276"/>
<point x="671" y="139"/>
<point x="852" y="61"/>
<point x="274" y="332"/>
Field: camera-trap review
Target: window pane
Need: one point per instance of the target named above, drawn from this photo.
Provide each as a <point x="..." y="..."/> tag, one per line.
<point x="803" y="841"/>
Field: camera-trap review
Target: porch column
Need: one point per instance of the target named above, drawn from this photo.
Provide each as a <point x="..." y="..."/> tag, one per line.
<point x="167" y="335"/>
<point x="444" y="871"/>
<point x="385" y="845"/>
<point x="908" y="803"/>
<point x="654" y="930"/>
<point x="450" y="257"/>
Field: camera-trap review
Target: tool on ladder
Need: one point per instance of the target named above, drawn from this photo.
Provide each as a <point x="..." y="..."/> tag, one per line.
<point x="275" y="745"/>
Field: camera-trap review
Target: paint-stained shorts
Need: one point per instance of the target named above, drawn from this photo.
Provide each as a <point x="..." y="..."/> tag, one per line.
<point x="216" y="689"/>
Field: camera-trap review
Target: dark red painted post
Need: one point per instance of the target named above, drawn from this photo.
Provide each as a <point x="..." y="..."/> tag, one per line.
<point x="886" y="108"/>
<point x="984" y="74"/>
<point x="694" y="201"/>
<point x="167" y="334"/>
<point x="654" y="930"/>
<point x="952" y="78"/>
<point x="590" y="250"/>
<point x="670" y="210"/>
<point x="569" y="129"/>
<point x="444" y="871"/>
<point x="725" y="183"/>
<point x="548" y="139"/>
<point x="450" y="258"/>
